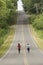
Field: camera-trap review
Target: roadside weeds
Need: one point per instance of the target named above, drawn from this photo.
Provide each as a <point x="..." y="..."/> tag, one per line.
<point x="7" y="43"/>
<point x="39" y="41"/>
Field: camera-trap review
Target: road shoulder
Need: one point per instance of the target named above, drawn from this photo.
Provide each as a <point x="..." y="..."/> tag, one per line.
<point x="7" y="43"/>
<point x="39" y="42"/>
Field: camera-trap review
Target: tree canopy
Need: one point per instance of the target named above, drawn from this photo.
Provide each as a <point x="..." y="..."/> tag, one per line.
<point x="33" y="6"/>
<point x="7" y="11"/>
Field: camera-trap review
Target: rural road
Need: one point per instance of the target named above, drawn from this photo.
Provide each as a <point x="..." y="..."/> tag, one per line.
<point x="23" y="35"/>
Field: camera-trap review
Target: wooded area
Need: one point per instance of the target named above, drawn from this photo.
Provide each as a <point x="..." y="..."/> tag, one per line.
<point x="35" y="9"/>
<point x="33" y="6"/>
<point x="7" y="12"/>
<point x="8" y="16"/>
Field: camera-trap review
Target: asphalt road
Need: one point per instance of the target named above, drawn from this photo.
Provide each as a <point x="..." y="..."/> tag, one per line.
<point x="23" y="36"/>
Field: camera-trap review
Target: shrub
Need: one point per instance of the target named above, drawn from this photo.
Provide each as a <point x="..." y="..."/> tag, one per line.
<point x="12" y="17"/>
<point x="3" y="24"/>
<point x="1" y="41"/>
<point x="3" y="32"/>
<point x="32" y="18"/>
<point x="38" y="22"/>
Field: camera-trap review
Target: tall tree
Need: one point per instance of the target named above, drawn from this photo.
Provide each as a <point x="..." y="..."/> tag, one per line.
<point x="30" y="5"/>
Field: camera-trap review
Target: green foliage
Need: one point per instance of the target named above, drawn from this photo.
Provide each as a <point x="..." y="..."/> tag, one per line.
<point x="12" y="17"/>
<point x="1" y="41"/>
<point x="12" y="12"/>
<point x="3" y="24"/>
<point x="3" y="14"/>
<point x="30" y="5"/>
<point x="3" y="32"/>
<point x="40" y="33"/>
<point x="7" y="16"/>
<point x="9" y="4"/>
<point x="32" y="18"/>
<point x="38" y="22"/>
<point x="15" y="2"/>
<point x="7" y="12"/>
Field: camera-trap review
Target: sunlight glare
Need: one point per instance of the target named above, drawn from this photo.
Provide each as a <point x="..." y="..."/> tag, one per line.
<point x="20" y="6"/>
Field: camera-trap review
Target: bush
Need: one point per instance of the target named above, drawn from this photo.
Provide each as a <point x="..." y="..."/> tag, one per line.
<point x="1" y="41"/>
<point x="32" y="18"/>
<point x="12" y="17"/>
<point x="38" y="22"/>
<point x="3" y="32"/>
<point x="3" y="24"/>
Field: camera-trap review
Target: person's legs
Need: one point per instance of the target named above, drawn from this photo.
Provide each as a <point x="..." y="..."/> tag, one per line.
<point x="28" y="49"/>
<point x="19" y="50"/>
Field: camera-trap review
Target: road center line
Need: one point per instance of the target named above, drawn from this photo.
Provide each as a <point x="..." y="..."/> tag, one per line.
<point x="25" y="58"/>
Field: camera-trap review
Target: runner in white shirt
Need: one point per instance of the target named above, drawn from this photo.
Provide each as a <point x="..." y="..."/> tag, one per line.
<point x="28" y="47"/>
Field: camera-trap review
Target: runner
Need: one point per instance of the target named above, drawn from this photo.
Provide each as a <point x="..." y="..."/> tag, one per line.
<point x="19" y="47"/>
<point x="28" y="47"/>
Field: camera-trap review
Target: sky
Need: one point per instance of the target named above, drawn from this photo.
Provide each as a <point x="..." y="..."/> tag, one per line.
<point x="20" y="5"/>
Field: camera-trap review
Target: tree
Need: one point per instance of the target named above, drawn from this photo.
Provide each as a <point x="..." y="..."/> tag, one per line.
<point x="6" y="6"/>
<point x="3" y="14"/>
<point x="30" y="6"/>
<point x="12" y="11"/>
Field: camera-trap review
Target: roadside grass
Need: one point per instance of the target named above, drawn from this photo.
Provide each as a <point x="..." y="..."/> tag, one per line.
<point x="40" y="33"/>
<point x="38" y="36"/>
<point x="7" y="41"/>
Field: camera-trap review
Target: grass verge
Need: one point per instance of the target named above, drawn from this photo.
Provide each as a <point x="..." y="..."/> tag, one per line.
<point x="7" y="41"/>
<point x="37" y="35"/>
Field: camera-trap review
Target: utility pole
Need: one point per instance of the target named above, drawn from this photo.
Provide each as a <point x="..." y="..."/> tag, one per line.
<point x="36" y="6"/>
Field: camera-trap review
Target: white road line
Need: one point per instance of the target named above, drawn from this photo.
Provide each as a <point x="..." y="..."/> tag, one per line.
<point x="34" y="41"/>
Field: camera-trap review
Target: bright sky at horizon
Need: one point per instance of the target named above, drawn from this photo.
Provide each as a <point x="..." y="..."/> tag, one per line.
<point x="20" y="5"/>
